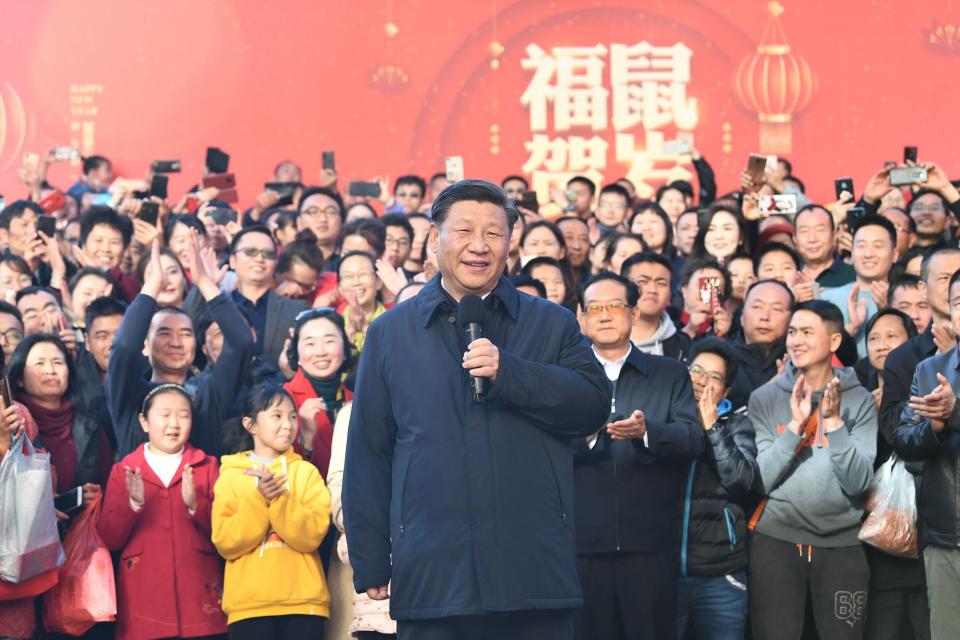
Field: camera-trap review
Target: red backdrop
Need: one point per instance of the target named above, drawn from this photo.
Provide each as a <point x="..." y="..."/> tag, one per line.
<point x="394" y="86"/>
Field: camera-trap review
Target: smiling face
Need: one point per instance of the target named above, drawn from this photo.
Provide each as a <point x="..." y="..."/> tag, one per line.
<point x="814" y="235"/>
<point x="256" y="269"/>
<point x="809" y="340"/>
<point x="873" y="252"/>
<point x="168" y="421"/>
<point x="46" y="376"/>
<point x="171" y="343"/>
<point x="471" y="245"/>
<point x="275" y="428"/>
<point x="723" y="235"/>
<point x="709" y="369"/>
<point x="886" y="334"/>
<point x="929" y="214"/>
<point x="626" y="247"/>
<point x="320" y="348"/>
<point x="358" y="276"/>
<point x="611" y="209"/>
<point x="104" y="245"/>
<point x="41" y="313"/>
<point x="321" y="214"/>
<point x="649" y="226"/>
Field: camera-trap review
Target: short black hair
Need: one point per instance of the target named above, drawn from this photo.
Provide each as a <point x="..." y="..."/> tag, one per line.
<point x="633" y="292"/>
<point x="646" y="207"/>
<point x="828" y="313"/>
<point x="323" y="191"/>
<point x="526" y="185"/>
<point x="145" y="260"/>
<point x="925" y="192"/>
<point x="12" y="310"/>
<point x="904" y="281"/>
<point x="616" y="238"/>
<point x="307" y="253"/>
<point x="617" y="189"/>
<point x="719" y="348"/>
<point x="925" y="264"/>
<point x="877" y="221"/>
<point x="398" y="220"/>
<point x="373" y="231"/>
<point x="417" y="181"/>
<point x="18" y="363"/>
<point x="908" y="323"/>
<point x="103" y="215"/>
<point x="92" y="163"/>
<point x="813" y="207"/>
<point x="584" y="180"/>
<point x="102" y="308"/>
<point x="472" y="191"/>
<point x="774" y="247"/>
<point x="350" y="254"/>
<point x="257" y="228"/>
<point x="193" y="222"/>
<point x="787" y="164"/>
<point x="308" y="315"/>
<point x="693" y="265"/>
<point x="18" y="264"/>
<point x="545" y="224"/>
<point x="526" y="280"/>
<point x="662" y="190"/>
<point x="16" y="209"/>
<point x="539" y="261"/>
<point x="793" y="299"/>
<point x="33" y="289"/>
<point x="89" y="271"/>
<point x="646" y="257"/>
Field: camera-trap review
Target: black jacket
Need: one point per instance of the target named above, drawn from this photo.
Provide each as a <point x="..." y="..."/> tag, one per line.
<point x="126" y="386"/>
<point x="467" y="507"/>
<point x="755" y="369"/>
<point x="718" y="500"/>
<point x="628" y="494"/>
<point x="938" y="504"/>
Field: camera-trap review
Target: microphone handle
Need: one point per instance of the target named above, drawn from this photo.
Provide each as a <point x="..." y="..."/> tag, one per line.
<point x="474" y="332"/>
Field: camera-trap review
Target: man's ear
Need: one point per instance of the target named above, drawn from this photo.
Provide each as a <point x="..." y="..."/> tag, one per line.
<point x="433" y="237"/>
<point x="836" y="339"/>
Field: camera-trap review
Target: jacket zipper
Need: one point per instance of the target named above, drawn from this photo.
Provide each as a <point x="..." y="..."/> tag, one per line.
<point x="616" y="502"/>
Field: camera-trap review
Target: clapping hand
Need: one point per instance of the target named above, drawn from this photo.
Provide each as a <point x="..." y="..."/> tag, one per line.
<point x="269" y="486"/>
<point x="133" y="479"/>
<point x="632" y="428"/>
<point x="830" y="406"/>
<point x="188" y="489"/>
<point x="937" y="406"/>
<point x="801" y="401"/>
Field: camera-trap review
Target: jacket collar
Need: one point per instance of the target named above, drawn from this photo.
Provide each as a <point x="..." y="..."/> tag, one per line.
<point x="954" y="360"/>
<point x="433" y="296"/>
<point x="137" y="459"/>
<point x="638" y="360"/>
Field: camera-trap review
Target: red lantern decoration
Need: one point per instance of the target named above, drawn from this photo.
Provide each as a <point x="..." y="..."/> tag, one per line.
<point x="776" y="84"/>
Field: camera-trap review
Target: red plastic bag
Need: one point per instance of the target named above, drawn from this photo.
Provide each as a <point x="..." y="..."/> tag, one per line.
<point x="86" y="593"/>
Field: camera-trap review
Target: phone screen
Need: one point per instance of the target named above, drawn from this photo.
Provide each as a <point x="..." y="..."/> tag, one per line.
<point x="843" y="184"/>
<point x="48" y="225"/>
<point x="328" y="161"/>
<point x="909" y="155"/>
<point x="69" y="501"/>
<point x="755" y="167"/>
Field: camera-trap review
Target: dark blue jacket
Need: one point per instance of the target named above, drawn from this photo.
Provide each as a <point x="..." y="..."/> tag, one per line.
<point x="474" y="503"/>
<point x="628" y="493"/>
<point x="126" y="386"/>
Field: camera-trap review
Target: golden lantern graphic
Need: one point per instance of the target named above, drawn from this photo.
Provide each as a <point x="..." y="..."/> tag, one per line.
<point x="13" y="126"/>
<point x="776" y="84"/>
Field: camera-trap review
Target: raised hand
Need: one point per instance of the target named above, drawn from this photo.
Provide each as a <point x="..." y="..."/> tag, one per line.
<point x="188" y="489"/>
<point x="392" y="277"/>
<point x="856" y="311"/>
<point x="830" y="406"/>
<point x="134" y="482"/>
<point x="944" y="337"/>
<point x="154" y="277"/>
<point x="308" y="419"/>
<point x="878" y="186"/>
<point x="801" y="400"/>
<point x="707" y="407"/>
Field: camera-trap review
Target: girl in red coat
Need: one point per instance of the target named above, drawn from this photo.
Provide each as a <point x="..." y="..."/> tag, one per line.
<point x="157" y="515"/>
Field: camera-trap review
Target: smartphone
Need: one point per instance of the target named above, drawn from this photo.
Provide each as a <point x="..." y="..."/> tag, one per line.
<point x="149" y="212"/>
<point x="854" y="216"/>
<point x="329" y="161"/>
<point x="228" y="195"/>
<point x="70" y="501"/>
<point x="454" y="169"/>
<point x="781" y="203"/>
<point x="909" y="155"/>
<point x="676" y="147"/>
<point x="843" y="184"/>
<point x="165" y="166"/>
<point x="101" y="199"/>
<point x="158" y="186"/>
<point x="285" y="190"/>
<point x="529" y="201"/>
<point x="364" y="189"/>
<point x="907" y="175"/>
<point x="53" y="202"/>
<point x="221" y="215"/>
<point x="756" y="165"/>
<point x="61" y="154"/>
<point x="217" y="161"/>
<point x="48" y="225"/>
<point x="5" y="392"/>
<point x="710" y="292"/>
<point x="221" y="181"/>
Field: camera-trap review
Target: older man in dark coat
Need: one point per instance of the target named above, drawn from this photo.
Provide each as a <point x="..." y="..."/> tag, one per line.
<point x="466" y="509"/>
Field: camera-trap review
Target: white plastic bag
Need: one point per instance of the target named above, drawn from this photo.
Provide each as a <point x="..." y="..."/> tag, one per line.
<point x="891" y="525"/>
<point x="29" y="541"/>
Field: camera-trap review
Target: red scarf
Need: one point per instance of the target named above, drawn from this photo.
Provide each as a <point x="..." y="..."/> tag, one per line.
<point x="56" y="435"/>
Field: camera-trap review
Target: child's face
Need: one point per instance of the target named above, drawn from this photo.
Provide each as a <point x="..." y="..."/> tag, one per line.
<point x="168" y="422"/>
<point x="275" y="428"/>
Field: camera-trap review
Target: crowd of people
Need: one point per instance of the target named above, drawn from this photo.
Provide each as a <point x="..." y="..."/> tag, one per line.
<point x="193" y="368"/>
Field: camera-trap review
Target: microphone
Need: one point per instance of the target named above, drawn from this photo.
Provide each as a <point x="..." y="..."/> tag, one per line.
<point x="471" y="316"/>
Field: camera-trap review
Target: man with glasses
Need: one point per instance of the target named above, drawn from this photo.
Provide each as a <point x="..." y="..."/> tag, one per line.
<point x="929" y="211"/>
<point x="11" y="328"/>
<point x="929" y="430"/>
<point x="712" y="592"/>
<point x="629" y="476"/>
<point x="322" y="212"/>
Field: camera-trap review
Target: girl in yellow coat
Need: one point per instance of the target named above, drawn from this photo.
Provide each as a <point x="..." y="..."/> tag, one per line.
<point x="271" y="511"/>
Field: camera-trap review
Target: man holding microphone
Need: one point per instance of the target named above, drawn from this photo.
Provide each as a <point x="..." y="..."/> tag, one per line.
<point x="459" y="494"/>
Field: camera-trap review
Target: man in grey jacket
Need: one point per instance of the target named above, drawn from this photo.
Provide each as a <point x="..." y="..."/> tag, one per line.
<point x="816" y="433"/>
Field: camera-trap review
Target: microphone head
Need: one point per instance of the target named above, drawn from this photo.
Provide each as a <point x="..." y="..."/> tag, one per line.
<point x="471" y="311"/>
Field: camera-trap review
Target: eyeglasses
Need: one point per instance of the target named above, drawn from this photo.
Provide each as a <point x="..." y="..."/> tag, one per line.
<point x="316" y="312"/>
<point x="267" y="254"/>
<point x="615" y="308"/>
<point x="934" y="208"/>
<point x="696" y="371"/>
<point x="21" y="280"/>
<point x="360" y="276"/>
<point x="12" y="335"/>
<point x="326" y="212"/>
<point x="399" y="242"/>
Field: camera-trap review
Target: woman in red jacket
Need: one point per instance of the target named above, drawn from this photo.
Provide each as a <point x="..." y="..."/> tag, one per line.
<point x="321" y="354"/>
<point x="157" y="515"/>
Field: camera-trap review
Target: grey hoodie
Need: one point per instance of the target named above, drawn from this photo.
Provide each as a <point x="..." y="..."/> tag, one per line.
<point x="816" y="497"/>
<point x="654" y="344"/>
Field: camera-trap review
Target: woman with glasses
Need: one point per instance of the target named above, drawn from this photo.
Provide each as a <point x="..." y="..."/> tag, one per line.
<point x="360" y="288"/>
<point x="15" y="275"/>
